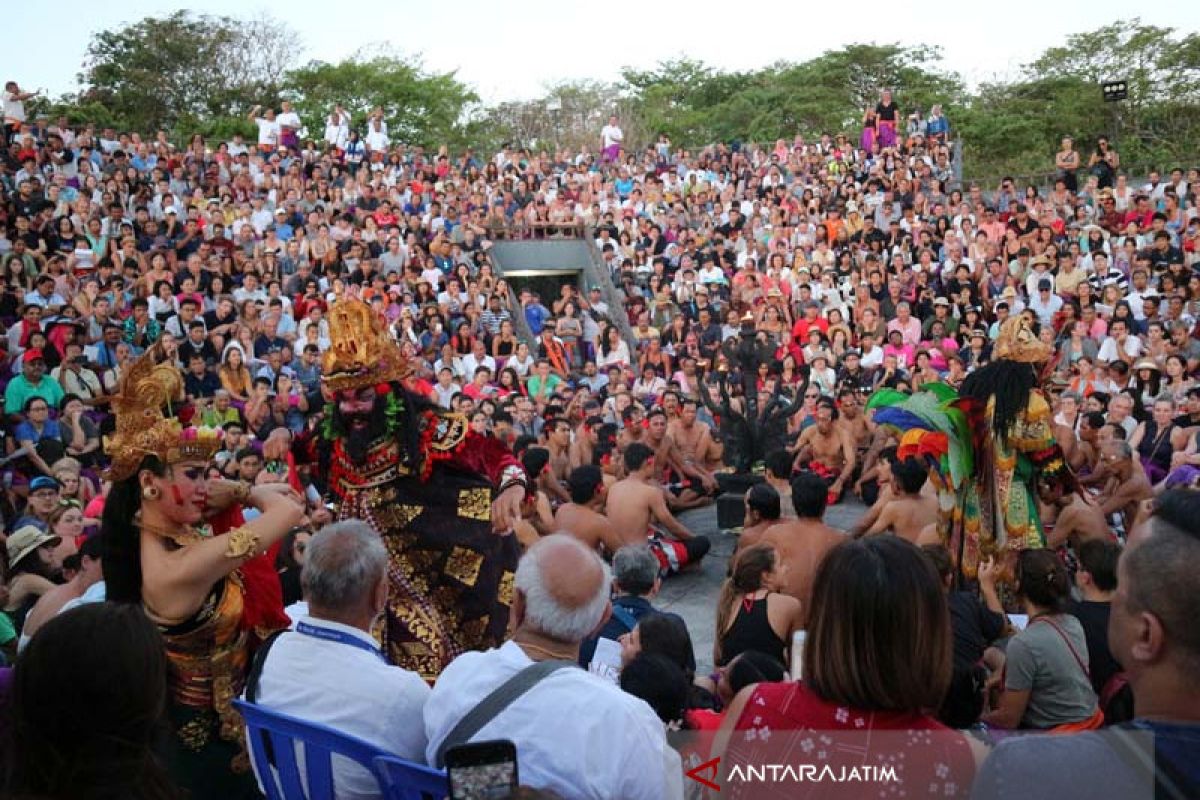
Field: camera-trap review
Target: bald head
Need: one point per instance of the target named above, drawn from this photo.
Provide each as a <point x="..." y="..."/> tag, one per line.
<point x="563" y="588"/>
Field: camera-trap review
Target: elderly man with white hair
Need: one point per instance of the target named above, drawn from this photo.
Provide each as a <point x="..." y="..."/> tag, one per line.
<point x="329" y="668"/>
<point x="575" y="733"/>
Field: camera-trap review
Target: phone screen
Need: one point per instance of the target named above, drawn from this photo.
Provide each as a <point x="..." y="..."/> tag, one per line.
<point x="482" y="770"/>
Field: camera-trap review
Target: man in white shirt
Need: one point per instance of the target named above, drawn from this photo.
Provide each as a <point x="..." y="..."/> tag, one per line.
<point x="268" y="129"/>
<point x="611" y="137"/>
<point x="289" y="125"/>
<point x="477" y="358"/>
<point x="337" y="128"/>
<point x="328" y="669"/>
<point x="1120" y="344"/>
<point x="14" y="109"/>
<point x="377" y="134"/>
<point x="577" y="734"/>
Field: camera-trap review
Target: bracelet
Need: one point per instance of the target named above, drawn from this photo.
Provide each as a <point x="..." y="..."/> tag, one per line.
<point x="513" y="482"/>
<point x="243" y="542"/>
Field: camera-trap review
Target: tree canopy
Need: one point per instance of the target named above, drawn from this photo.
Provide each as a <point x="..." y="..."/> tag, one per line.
<point x="199" y="73"/>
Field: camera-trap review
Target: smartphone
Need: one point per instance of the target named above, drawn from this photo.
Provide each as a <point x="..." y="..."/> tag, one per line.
<point x="482" y="770"/>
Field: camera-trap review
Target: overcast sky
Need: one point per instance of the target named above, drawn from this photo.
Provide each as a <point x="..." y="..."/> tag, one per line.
<point x="512" y="50"/>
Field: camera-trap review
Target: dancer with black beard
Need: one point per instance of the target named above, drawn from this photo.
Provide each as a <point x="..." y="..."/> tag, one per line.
<point x="443" y="498"/>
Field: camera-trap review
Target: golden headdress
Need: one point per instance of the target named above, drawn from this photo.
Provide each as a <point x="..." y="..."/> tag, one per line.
<point x="142" y="429"/>
<point x="1018" y="342"/>
<point x="361" y="351"/>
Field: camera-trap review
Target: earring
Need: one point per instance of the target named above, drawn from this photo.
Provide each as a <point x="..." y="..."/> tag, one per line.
<point x="150" y="492"/>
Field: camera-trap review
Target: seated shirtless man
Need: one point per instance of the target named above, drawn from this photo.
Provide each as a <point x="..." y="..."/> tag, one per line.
<point x="632" y="429"/>
<point x="637" y="500"/>
<point x="582" y="517"/>
<point x="854" y="421"/>
<point x="691" y="485"/>
<point x="826" y="449"/>
<point x="801" y="544"/>
<point x="692" y="437"/>
<point x="763" y="507"/>
<point x="1074" y="518"/>
<point x="583" y="445"/>
<point x="1084" y="456"/>
<point x="909" y="511"/>
<point x="1127" y="487"/>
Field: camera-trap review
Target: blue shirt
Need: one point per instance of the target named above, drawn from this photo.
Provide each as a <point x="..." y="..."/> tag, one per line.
<point x="536" y="316"/>
<point x="25" y="432"/>
<point x="625" y="609"/>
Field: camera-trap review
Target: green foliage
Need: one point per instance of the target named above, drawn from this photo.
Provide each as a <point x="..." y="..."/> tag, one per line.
<point x="163" y="72"/>
<point x="197" y="73"/>
<point x="419" y="107"/>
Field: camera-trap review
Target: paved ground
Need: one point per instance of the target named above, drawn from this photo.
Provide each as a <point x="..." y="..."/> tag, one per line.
<point x="693" y="595"/>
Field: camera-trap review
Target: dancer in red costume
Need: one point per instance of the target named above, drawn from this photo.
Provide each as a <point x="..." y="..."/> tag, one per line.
<point x="443" y="498"/>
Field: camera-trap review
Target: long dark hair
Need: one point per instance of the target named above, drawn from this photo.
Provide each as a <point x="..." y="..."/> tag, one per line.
<point x="88" y="709"/>
<point x="1010" y="383"/>
<point x="746" y="576"/>
<point x="121" y="559"/>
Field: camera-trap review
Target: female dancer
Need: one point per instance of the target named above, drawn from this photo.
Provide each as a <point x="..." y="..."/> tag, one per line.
<point x="209" y="594"/>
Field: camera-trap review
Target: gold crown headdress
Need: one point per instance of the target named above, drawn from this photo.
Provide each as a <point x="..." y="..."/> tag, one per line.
<point x="361" y="351"/>
<point x="142" y="429"/>
<point x="1018" y="342"/>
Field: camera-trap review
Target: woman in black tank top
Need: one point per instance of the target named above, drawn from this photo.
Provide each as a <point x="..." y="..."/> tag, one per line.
<point x="750" y="616"/>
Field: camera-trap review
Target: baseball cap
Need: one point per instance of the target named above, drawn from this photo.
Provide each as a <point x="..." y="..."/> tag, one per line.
<point x="171" y="210"/>
<point x="44" y="482"/>
<point x="32" y="354"/>
<point x="941" y="301"/>
<point x="25" y="540"/>
<point x="1045" y="285"/>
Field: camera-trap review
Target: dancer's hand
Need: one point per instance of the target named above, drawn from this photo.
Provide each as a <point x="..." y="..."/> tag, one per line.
<point x="265" y="493"/>
<point x="506" y="510"/>
<point x="223" y="493"/>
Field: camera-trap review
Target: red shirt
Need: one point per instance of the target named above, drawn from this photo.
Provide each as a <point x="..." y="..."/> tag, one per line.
<point x="788" y="724"/>
<point x="804" y="325"/>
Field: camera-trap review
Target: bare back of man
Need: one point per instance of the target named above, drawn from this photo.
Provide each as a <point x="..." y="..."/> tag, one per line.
<point x="801" y="546"/>
<point x="590" y="527"/>
<point x="634" y="506"/>
<point x="1078" y="520"/>
<point x="907" y="516"/>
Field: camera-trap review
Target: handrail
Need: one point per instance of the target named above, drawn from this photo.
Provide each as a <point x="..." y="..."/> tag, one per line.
<point x="536" y="230"/>
<point x="614" y="298"/>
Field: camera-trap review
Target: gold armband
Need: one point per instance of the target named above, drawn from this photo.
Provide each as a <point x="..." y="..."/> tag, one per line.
<point x="243" y="543"/>
<point x="242" y="493"/>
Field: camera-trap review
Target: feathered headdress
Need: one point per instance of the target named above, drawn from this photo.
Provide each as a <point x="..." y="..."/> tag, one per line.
<point x="1018" y="342"/>
<point x="141" y="427"/>
<point x="361" y="351"/>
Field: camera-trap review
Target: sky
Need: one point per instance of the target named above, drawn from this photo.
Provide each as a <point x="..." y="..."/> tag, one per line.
<point x="515" y="49"/>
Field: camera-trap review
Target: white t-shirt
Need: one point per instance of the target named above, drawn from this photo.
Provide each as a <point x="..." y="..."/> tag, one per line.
<point x="14" y="109"/>
<point x="577" y="733"/>
<point x="349" y="689"/>
<point x="289" y="119"/>
<point x="1108" y="350"/>
<point x="610" y="135"/>
<point x="268" y="131"/>
<point x="376" y="139"/>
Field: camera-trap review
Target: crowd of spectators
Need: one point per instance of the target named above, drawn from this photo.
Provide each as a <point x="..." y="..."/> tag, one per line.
<point x="850" y="261"/>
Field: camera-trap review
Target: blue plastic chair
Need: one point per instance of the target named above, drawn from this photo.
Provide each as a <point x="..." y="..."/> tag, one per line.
<point x="275" y="733"/>
<point x="405" y="780"/>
